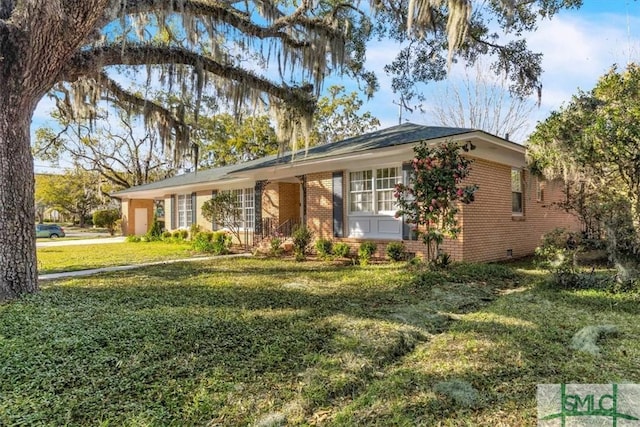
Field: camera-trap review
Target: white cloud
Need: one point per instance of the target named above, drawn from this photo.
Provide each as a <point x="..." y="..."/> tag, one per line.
<point x="576" y="54"/>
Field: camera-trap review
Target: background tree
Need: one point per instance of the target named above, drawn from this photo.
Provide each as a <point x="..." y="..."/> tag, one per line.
<point x="107" y="218"/>
<point x="337" y="117"/>
<point x="226" y="140"/>
<point x="116" y="146"/>
<point x="75" y="47"/>
<point x="76" y="192"/>
<point x="430" y="200"/>
<point x="480" y="99"/>
<point x="43" y="182"/>
<point x="594" y="142"/>
<point x="462" y="30"/>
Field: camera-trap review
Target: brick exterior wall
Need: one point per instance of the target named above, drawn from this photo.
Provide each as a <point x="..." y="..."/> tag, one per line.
<point x="489" y="229"/>
<point x="320" y="205"/>
<point x="271" y="201"/>
<point x="289" y="201"/>
<point x="281" y="201"/>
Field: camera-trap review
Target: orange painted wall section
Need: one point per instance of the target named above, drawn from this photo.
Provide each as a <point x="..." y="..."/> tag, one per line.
<point x="128" y="214"/>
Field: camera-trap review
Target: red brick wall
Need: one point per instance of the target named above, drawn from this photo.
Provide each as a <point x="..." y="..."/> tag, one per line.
<point x="289" y="201"/>
<point x="488" y="227"/>
<point x="270" y="201"/>
<point x="320" y="205"/>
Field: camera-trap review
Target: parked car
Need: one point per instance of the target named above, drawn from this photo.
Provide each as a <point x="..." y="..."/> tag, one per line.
<point x="52" y="231"/>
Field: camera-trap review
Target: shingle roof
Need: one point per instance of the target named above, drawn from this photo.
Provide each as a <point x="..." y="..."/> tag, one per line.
<point x="397" y="135"/>
<point x="406" y="133"/>
<point x="201" y="176"/>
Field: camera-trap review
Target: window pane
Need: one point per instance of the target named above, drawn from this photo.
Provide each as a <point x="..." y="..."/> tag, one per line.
<point x="516" y="191"/>
<point x="361" y="191"/>
<point x="386" y="180"/>
<point x="184" y="210"/>
<point x="516" y="181"/>
<point x="516" y="202"/>
<point x="249" y="212"/>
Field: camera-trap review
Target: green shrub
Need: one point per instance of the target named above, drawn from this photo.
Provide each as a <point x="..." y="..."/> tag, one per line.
<point x="301" y="240"/>
<point x="184" y="234"/>
<point x="176" y="234"/>
<point x="396" y="251"/>
<point x="166" y="235"/>
<point x="443" y="260"/>
<point x="275" y="248"/>
<point x="557" y="255"/>
<point x="194" y="229"/>
<point x="365" y="252"/>
<point x="107" y="218"/>
<point x="323" y="248"/>
<point x="133" y="239"/>
<point x="217" y="243"/>
<point x="341" y="250"/>
<point x="155" y="232"/>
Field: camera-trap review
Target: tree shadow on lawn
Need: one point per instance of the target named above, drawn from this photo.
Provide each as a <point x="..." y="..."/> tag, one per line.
<point x="189" y="344"/>
<point x="504" y="350"/>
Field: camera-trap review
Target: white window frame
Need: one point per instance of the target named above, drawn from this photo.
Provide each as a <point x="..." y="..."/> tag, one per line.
<point x="517" y="187"/>
<point x="375" y="190"/>
<point x="184" y="210"/>
<point x="244" y="199"/>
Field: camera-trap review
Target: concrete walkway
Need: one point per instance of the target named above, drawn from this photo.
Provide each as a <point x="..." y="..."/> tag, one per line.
<point x="82" y="273"/>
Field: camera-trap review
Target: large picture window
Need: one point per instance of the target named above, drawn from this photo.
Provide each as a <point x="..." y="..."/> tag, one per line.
<point x="185" y="210"/>
<point x="245" y="204"/>
<point x="371" y="191"/>
<point x="516" y="192"/>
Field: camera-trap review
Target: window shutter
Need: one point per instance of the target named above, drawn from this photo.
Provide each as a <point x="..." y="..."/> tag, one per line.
<point x="338" y="205"/>
<point x="172" y="213"/>
<point x="257" y="207"/>
<point x="214" y="226"/>
<point x="194" y="210"/>
<point x="406" y="229"/>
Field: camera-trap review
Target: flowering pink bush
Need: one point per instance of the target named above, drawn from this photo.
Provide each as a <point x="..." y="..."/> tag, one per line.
<point x="430" y="200"/>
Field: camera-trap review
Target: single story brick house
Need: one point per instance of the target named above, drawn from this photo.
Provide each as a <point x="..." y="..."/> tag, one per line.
<point x="344" y="191"/>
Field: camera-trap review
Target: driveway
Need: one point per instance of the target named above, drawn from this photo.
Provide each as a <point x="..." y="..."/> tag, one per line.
<point x="44" y="243"/>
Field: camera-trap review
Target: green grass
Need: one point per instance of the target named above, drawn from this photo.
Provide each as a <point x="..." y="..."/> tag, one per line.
<point x="56" y="259"/>
<point x="269" y="342"/>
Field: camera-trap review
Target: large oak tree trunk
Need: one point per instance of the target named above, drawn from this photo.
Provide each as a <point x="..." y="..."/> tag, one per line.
<point x="18" y="269"/>
<point x="37" y="39"/>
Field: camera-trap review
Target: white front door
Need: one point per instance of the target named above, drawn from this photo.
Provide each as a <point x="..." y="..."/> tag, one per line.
<point x="141" y="221"/>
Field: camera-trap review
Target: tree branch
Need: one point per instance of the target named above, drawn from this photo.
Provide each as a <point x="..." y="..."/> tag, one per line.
<point x="235" y="18"/>
<point x="181" y="128"/>
<point x="87" y="62"/>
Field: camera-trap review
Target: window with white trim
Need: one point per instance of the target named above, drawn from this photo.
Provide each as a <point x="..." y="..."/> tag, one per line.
<point x="244" y="200"/>
<point x="516" y="192"/>
<point x="185" y="210"/>
<point x="361" y="191"/>
<point x="371" y="191"/>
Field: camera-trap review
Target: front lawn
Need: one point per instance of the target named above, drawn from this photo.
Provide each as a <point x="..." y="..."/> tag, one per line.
<point x="268" y="342"/>
<point x="54" y="259"/>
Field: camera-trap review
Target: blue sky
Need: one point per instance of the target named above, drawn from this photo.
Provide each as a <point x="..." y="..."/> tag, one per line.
<point x="578" y="46"/>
